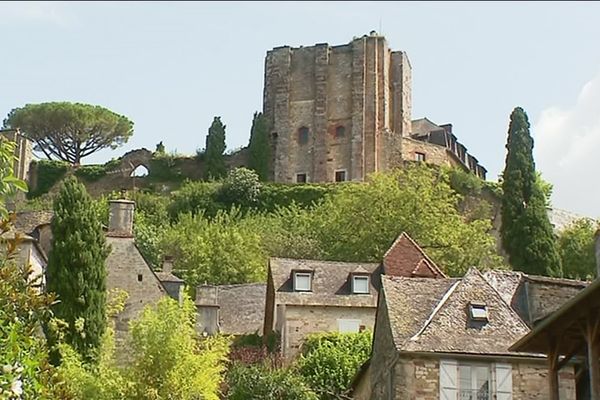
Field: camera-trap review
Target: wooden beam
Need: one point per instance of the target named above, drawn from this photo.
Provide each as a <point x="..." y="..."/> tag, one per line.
<point x="568" y="357"/>
<point x="593" y="354"/>
<point x="553" y="369"/>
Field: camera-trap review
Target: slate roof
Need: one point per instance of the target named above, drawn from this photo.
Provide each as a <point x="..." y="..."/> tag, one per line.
<point x="330" y="283"/>
<point x="27" y="221"/>
<point x="167" y="277"/>
<point x="241" y="307"/>
<point x="533" y="297"/>
<point x="431" y="315"/>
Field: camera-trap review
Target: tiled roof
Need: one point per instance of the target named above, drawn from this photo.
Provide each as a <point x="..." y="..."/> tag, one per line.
<point x="167" y="277"/>
<point x="431" y="315"/>
<point x="406" y="258"/>
<point x="27" y="221"/>
<point x="330" y="283"/>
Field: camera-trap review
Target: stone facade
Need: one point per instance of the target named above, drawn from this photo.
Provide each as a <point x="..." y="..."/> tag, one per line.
<point x="295" y="323"/>
<point x="339" y="113"/>
<point x="329" y="107"/>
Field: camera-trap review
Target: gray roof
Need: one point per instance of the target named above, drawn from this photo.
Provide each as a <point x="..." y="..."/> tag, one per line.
<point x="167" y="277"/>
<point x="27" y="221"/>
<point x="330" y="283"/>
<point x="241" y="307"/>
<point x="431" y="315"/>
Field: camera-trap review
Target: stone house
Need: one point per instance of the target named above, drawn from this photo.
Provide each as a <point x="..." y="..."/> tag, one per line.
<point x="310" y="296"/>
<point x="230" y="309"/>
<point x="172" y="283"/>
<point x="449" y="339"/>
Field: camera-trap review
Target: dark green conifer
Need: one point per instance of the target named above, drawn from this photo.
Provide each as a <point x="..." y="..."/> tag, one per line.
<point x="259" y="148"/>
<point x="215" y="148"/>
<point x="76" y="269"/>
<point x="527" y="234"/>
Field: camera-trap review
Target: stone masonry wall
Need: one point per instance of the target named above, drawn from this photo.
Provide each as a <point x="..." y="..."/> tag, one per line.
<point x="433" y="153"/>
<point x="345" y="96"/>
<point x="300" y="321"/>
<point x="418" y="378"/>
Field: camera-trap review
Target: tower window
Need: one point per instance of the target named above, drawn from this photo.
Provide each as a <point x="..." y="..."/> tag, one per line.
<point x="340" y="176"/>
<point x="303" y="135"/>
<point x="140" y="277"/>
<point x="300" y="178"/>
<point x="340" y="132"/>
<point x="419" y="156"/>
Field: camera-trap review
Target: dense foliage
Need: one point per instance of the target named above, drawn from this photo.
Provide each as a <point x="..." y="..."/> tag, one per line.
<point x="214" y="160"/>
<point x="259" y="147"/>
<point x="258" y="382"/>
<point x="76" y="270"/>
<point x="48" y="173"/>
<point x="526" y="231"/>
<point x="576" y="245"/>
<point x="241" y="187"/>
<point x="329" y="361"/>
<point x="70" y="131"/>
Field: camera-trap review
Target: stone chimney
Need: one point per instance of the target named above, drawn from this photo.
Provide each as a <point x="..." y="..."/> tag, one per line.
<point x="167" y="265"/>
<point x="597" y="248"/>
<point x="120" y="220"/>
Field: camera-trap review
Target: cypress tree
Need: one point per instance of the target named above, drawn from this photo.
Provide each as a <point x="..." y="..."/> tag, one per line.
<point x="526" y="232"/>
<point x="259" y="148"/>
<point x="215" y="147"/>
<point x="76" y="270"/>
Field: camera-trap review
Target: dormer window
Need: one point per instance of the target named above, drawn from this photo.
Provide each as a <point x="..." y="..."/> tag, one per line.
<point x="302" y="281"/>
<point x="478" y="312"/>
<point x="360" y="284"/>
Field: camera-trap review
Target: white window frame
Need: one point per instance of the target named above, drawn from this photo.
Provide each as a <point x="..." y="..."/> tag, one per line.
<point x="306" y="275"/>
<point x="418" y="155"/>
<point x="344" y="323"/>
<point x="499" y="377"/>
<point x="345" y="175"/>
<point x="478" y="312"/>
<point x="473" y="378"/>
<point x="360" y="277"/>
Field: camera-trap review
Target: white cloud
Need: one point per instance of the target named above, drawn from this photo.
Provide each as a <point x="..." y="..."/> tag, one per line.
<point x="55" y="13"/>
<point x="567" y="151"/>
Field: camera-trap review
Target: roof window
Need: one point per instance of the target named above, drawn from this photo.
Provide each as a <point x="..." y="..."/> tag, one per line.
<point x="478" y="312"/>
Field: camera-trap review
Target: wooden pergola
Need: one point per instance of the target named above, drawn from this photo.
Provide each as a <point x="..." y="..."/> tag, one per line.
<point x="571" y="331"/>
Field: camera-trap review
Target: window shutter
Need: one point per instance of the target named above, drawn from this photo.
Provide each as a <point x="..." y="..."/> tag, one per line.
<point x="504" y="382"/>
<point x="448" y="380"/>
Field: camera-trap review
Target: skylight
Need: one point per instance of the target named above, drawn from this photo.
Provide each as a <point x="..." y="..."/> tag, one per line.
<point x="478" y="312"/>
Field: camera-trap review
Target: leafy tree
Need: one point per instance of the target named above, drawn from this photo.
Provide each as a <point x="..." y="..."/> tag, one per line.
<point x="526" y="231"/>
<point x="169" y="362"/>
<point x="224" y="250"/>
<point x="215" y="147"/>
<point x="76" y="269"/>
<point x="240" y="187"/>
<point x="259" y="148"/>
<point x="257" y="382"/>
<point x="360" y="222"/>
<point x="195" y="197"/>
<point x="329" y="361"/>
<point x="70" y="131"/>
<point x="576" y="246"/>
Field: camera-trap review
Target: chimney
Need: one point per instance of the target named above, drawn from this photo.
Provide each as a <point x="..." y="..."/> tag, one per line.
<point x="120" y="220"/>
<point x="597" y="248"/>
<point x="167" y="265"/>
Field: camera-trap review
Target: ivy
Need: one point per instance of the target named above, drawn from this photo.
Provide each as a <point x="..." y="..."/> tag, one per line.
<point x="49" y="172"/>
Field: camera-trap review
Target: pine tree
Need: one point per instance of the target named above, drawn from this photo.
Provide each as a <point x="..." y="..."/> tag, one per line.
<point x="215" y="147"/>
<point x="76" y="269"/>
<point x="526" y="231"/>
<point x="259" y="147"/>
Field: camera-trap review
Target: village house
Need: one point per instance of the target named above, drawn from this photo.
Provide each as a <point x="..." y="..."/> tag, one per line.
<point x="310" y="296"/>
<point x="230" y="309"/>
<point x="450" y="339"/>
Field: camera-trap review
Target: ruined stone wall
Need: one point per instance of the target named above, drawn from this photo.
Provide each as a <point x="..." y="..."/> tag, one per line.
<point x="300" y="321"/>
<point x="346" y="96"/>
<point x="434" y="154"/>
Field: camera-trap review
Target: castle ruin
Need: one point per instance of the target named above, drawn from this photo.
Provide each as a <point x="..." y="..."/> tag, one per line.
<point x="339" y="113"/>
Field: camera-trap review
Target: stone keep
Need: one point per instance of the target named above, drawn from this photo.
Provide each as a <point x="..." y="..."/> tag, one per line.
<point x="336" y="112"/>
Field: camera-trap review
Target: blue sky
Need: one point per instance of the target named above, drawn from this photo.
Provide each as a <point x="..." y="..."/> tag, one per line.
<point x="172" y="66"/>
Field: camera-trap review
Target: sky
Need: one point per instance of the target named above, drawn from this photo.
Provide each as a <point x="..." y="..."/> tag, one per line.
<point x="171" y="67"/>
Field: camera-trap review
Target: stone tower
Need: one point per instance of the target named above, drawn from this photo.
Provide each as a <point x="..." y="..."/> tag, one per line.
<point x="336" y="112"/>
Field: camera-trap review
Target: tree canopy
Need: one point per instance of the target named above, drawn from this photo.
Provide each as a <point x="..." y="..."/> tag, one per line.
<point x="259" y="148"/>
<point x="76" y="270"/>
<point x="527" y="234"/>
<point x="215" y="147"/>
<point x="70" y="131"/>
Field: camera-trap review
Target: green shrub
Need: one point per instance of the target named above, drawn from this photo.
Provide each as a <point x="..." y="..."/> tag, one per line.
<point x="275" y="195"/>
<point x="49" y="172"/>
